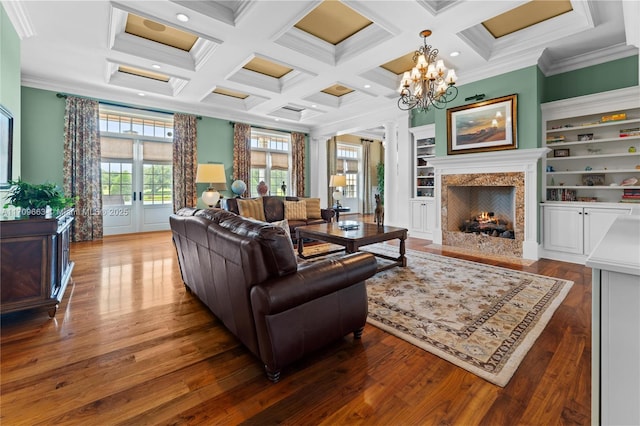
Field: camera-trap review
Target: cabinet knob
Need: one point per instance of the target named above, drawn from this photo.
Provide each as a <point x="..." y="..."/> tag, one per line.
<point x="579" y="212"/>
<point x="585" y="213"/>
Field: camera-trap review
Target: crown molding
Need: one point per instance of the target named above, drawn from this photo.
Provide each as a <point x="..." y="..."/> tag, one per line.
<point x="19" y="18"/>
<point x="551" y="66"/>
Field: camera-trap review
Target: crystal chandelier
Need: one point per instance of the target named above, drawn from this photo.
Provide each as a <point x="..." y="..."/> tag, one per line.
<point x="426" y="84"/>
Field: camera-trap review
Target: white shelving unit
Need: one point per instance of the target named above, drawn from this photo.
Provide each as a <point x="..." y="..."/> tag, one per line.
<point x="589" y="158"/>
<point x="424" y="149"/>
<point x="422" y="206"/>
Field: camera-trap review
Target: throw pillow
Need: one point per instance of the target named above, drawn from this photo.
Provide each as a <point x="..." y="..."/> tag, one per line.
<point x="313" y="208"/>
<point x="251" y="208"/>
<point x="295" y="210"/>
<point x="284" y="224"/>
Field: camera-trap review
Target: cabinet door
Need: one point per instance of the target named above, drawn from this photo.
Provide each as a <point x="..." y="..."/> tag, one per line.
<point x="417" y="215"/>
<point x="563" y="229"/>
<point x="596" y="223"/>
<point x="430" y="216"/>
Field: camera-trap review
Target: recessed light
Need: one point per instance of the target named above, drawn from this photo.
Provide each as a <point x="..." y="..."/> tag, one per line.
<point x="314" y="106"/>
<point x="182" y="17"/>
<point x="156" y="66"/>
<point x="277" y="119"/>
<point x="454" y="54"/>
<point x="366" y="86"/>
<point x="140" y="94"/>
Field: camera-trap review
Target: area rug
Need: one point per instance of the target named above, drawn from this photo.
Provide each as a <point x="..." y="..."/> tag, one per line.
<point x="481" y="318"/>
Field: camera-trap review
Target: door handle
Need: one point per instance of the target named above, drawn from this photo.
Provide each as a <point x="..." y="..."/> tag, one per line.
<point x="134" y="196"/>
<point x="140" y="195"/>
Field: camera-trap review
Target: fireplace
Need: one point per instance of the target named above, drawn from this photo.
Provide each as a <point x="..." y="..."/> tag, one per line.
<point x="465" y="196"/>
<point x="482" y="210"/>
<point x="497" y="187"/>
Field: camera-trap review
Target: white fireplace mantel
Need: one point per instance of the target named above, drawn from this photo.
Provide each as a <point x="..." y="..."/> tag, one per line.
<point x="518" y="160"/>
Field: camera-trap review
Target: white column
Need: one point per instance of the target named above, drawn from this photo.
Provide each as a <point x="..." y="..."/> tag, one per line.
<point x="318" y="168"/>
<point x="390" y="173"/>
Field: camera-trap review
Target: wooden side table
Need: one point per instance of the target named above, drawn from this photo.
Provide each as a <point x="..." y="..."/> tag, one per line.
<point x="340" y="209"/>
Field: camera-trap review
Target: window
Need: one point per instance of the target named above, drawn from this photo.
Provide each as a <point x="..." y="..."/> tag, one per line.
<point x="348" y="161"/>
<point x="270" y="160"/>
<point x="132" y="145"/>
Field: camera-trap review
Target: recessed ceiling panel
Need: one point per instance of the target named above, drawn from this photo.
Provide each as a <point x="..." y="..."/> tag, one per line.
<point x="229" y="92"/>
<point x="337" y="90"/>
<point x="263" y="66"/>
<point x="526" y="15"/>
<point x="143" y="73"/>
<point x="400" y="64"/>
<point x="160" y="33"/>
<point x="333" y="22"/>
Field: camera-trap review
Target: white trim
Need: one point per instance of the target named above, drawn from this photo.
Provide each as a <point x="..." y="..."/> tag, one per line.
<point x="19" y="18"/>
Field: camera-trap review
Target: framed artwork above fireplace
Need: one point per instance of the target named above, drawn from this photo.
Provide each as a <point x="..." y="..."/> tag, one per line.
<point x="489" y="125"/>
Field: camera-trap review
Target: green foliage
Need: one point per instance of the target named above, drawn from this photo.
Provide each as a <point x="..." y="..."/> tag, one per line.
<point x="35" y="197"/>
<point x="380" y="175"/>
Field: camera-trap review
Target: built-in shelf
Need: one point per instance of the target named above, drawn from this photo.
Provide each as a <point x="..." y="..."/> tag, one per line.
<point x="591" y="153"/>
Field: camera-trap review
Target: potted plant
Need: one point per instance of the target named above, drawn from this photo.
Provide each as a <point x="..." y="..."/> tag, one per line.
<point x="33" y="199"/>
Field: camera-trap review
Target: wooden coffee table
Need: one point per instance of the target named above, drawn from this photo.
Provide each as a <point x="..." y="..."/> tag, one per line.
<point x="351" y="240"/>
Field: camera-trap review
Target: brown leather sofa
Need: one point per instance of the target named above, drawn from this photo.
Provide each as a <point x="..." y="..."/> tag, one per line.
<point x="246" y="273"/>
<point x="274" y="211"/>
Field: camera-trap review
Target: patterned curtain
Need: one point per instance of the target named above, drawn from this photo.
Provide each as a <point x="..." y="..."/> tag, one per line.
<point x="332" y="155"/>
<point x="242" y="154"/>
<point x="185" y="160"/>
<point x="367" y="178"/>
<point x="81" y="166"/>
<point x="298" y="162"/>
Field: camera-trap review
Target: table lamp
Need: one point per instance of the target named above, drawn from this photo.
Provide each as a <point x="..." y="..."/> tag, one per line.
<point x="337" y="181"/>
<point x="213" y="174"/>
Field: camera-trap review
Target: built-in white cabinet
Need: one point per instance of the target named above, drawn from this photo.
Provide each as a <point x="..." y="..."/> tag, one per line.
<point x="594" y="144"/>
<point x="615" y="349"/>
<point x="422" y="218"/>
<point x="571" y="232"/>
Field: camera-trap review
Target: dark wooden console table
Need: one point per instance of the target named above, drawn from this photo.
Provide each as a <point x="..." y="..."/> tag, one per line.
<point x="35" y="266"/>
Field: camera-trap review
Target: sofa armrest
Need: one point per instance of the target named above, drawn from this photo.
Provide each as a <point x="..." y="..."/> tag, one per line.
<point x="311" y="282"/>
<point x="327" y="214"/>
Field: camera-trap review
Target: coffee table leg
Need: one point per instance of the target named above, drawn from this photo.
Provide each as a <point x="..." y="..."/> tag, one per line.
<point x="300" y="245"/>
<point x="402" y="258"/>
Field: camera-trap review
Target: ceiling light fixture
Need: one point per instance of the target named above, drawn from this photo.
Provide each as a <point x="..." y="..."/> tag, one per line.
<point x="156" y="66"/>
<point x="426" y="84"/>
<point x="182" y="17"/>
<point x="454" y="54"/>
<point x="366" y="86"/>
<point x="140" y="94"/>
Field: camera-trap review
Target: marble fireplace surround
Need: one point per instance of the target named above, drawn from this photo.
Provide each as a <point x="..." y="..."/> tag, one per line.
<point x="517" y="168"/>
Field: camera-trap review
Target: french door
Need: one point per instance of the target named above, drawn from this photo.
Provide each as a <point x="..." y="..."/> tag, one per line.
<point x="137" y="181"/>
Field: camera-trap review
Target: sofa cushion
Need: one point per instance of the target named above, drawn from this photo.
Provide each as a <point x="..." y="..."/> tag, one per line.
<point x="295" y="210"/>
<point x="252" y="208"/>
<point x="277" y="249"/>
<point x="313" y="208"/>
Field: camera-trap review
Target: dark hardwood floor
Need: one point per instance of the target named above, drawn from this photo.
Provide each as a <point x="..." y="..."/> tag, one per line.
<point x="130" y="346"/>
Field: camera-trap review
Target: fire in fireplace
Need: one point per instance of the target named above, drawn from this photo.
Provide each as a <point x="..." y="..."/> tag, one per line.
<point x="482" y="210"/>
<point x="487" y="223"/>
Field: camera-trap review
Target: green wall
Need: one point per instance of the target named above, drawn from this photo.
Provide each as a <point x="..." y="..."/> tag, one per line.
<point x="523" y="82"/>
<point x="10" y="82"/>
<point x="42" y="136"/>
<point x="594" y="79"/>
<point x="215" y="145"/>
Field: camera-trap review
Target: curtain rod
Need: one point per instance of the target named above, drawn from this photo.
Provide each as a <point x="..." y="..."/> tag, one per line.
<point x="64" y="96"/>
<point x="270" y="128"/>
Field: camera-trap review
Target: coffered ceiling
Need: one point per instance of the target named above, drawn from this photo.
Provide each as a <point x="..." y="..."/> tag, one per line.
<point x="301" y="63"/>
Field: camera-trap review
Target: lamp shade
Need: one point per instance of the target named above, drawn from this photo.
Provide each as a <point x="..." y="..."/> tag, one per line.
<point x="338" y="181"/>
<point x="213" y="174"/>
